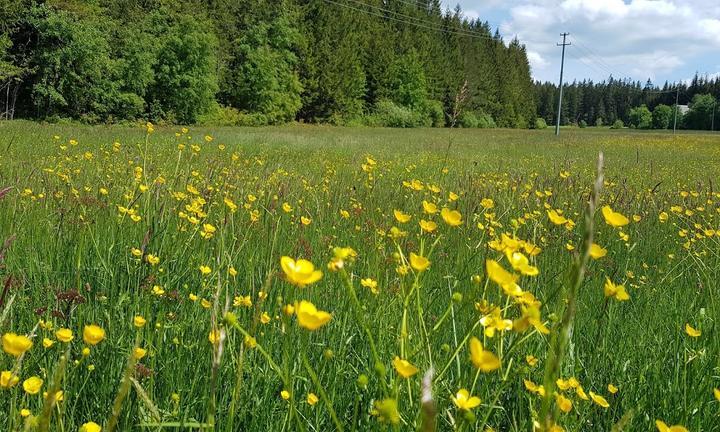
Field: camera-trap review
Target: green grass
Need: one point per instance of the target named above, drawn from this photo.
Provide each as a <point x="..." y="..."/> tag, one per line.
<point x="65" y="235"/>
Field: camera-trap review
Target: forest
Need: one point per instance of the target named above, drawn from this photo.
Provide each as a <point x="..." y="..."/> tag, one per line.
<point x="626" y="102"/>
<point x="400" y="63"/>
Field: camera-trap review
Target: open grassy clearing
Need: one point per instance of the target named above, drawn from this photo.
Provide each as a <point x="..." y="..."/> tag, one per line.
<point x="90" y="211"/>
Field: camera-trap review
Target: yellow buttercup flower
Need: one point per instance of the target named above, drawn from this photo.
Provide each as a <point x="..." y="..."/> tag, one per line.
<point x="299" y="273"/>
<point x="419" y="263"/>
<point x="309" y="317"/>
<point x="716" y="393"/>
<point x="662" y="427"/>
<point x="139" y="321"/>
<point x="612" y="389"/>
<point x="429" y="208"/>
<point x="404" y="368"/>
<point x="215" y="336"/>
<point x="47" y="343"/>
<point x="370" y="283"/>
<point x="401" y="217"/>
<point x="613" y="218"/>
<point x="502" y="277"/>
<point x="597" y="251"/>
<point x="464" y="401"/>
<point x="312" y="399"/>
<point x="205" y="270"/>
<point x="563" y="403"/>
<point x="93" y="335"/>
<point x="482" y="359"/>
<point x="451" y="217"/>
<point x="64" y="335"/>
<point x="16" y="345"/>
<point x="616" y="291"/>
<point x="428" y="226"/>
<point x="691" y="331"/>
<point x="90" y="427"/>
<point x="32" y="385"/>
<point x="520" y="262"/>
<point x="599" y="400"/>
<point x="8" y="379"/>
<point x="556" y="218"/>
<point x="139" y="353"/>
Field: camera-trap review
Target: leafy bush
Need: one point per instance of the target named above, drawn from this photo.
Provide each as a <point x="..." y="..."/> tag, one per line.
<point x="618" y="124"/>
<point x="599" y="122"/>
<point x="641" y="117"/>
<point x="390" y="114"/>
<point x="540" y="123"/>
<point x="583" y="124"/>
<point x="662" y="116"/>
<point x="467" y="120"/>
<point x="435" y="113"/>
<point x="486" y="121"/>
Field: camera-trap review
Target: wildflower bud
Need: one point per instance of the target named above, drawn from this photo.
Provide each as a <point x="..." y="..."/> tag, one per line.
<point x="250" y="342"/>
<point x="362" y="381"/>
<point x="445" y="348"/>
<point x="396" y="256"/>
<point x="380" y="369"/>
<point x="230" y="319"/>
<point x="289" y="309"/>
<point x="175" y="397"/>
<point x="475" y="279"/>
<point x="553" y="317"/>
<point x="457" y="297"/>
<point x="328" y="354"/>
<point x="469" y="416"/>
<point x="86" y="352"/>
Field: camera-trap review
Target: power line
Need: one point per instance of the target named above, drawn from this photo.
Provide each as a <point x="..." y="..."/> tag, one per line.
<point x="598" y="58"/>
<point x="424" y="24"/>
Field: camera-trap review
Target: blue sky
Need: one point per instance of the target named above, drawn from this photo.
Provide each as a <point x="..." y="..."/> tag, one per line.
<point x="641" y="39"/>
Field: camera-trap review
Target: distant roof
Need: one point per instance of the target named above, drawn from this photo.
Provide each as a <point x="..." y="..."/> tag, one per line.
<point x="683" y="108"/>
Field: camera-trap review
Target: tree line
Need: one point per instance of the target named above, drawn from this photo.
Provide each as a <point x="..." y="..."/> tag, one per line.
<point x="626" y="102"/>
<point x="257" y="62"/>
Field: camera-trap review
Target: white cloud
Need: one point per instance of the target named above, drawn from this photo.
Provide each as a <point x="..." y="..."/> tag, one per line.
<point x="653" y="39"/>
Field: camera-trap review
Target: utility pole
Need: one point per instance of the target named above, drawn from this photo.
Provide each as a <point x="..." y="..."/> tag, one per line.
<point x="712" y="119"/>
<point x="562" y="67"/>
<point x="677" y="98"/>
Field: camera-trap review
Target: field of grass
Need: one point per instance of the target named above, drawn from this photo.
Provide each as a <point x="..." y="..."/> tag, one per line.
<point x="172" y="244"/>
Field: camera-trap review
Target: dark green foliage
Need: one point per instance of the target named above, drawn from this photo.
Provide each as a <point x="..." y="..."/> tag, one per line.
<point x="72" y="65"/>
<point x="388" y="113"/>
<point x="640" y="117"/>
<point x="662" y="117"/>
<point x="485" y="121"/>
<point x="614" y="99"/>
<point x="582" y="124"/>
<point x="701" y="112"/>
<point x="262" y="62"/>
<point x="540" y="123"/>
<point x="185" y="81"/>
<point x="467" y="120"/>
<point x="618" y="124"/>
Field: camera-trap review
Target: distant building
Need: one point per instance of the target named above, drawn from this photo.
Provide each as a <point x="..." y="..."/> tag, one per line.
<point x="683" y="109"/>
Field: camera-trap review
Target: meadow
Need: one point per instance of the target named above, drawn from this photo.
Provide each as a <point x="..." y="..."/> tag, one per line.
<point x="318" y="278"/>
